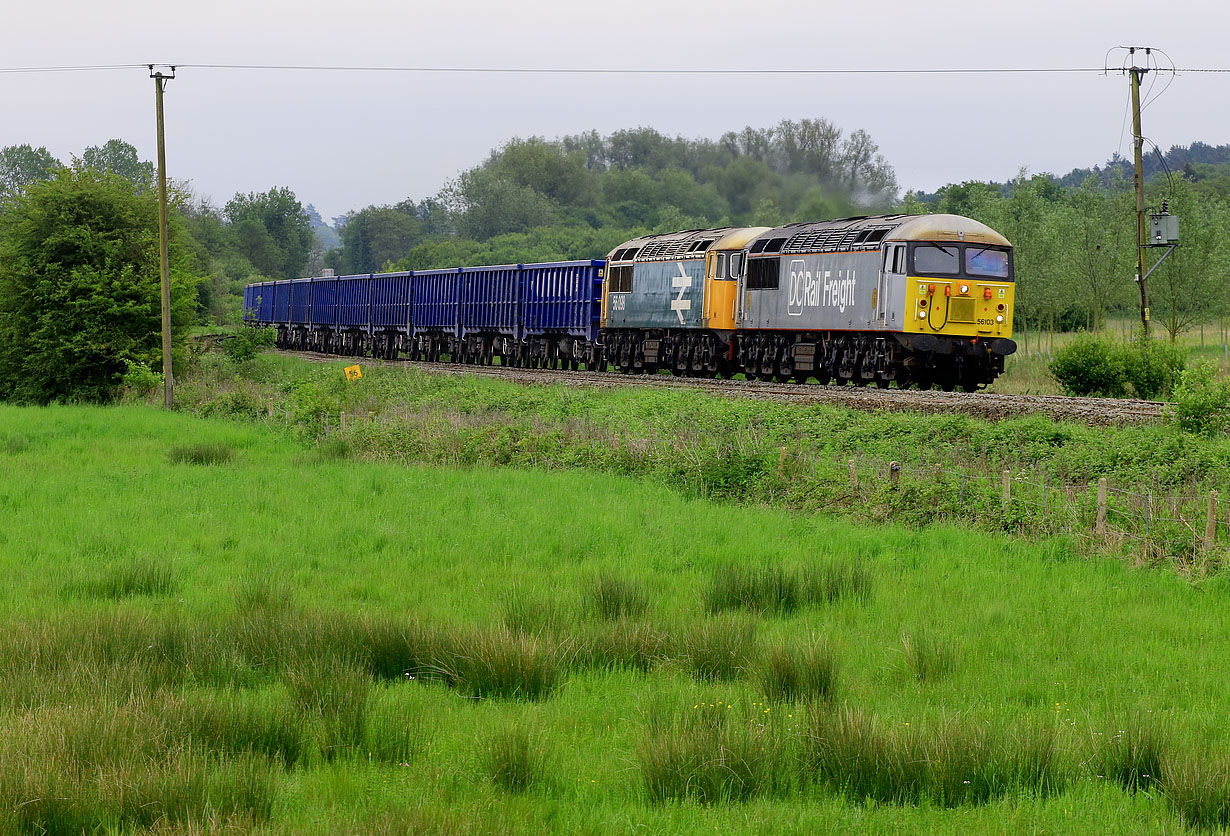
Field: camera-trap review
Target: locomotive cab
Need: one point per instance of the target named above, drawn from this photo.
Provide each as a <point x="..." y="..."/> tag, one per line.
<point x="957" y="279"/>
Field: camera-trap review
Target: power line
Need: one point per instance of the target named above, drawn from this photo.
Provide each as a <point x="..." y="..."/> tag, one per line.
<point x="613" y="70"/>
<point x="570" y="70"/>
<point x="77" y="69"/>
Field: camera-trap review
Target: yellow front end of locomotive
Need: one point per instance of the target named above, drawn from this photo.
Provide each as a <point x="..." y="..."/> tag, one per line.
<point x="960" y="307"/>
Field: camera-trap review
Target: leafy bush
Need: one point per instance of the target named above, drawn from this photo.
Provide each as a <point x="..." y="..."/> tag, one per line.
<point x="248" y="343"/>
<point x="1152" y="367"/>
<point x="1090" y="365"/>
<point x="140" y="380"/>
<point x="1201" y="400"/>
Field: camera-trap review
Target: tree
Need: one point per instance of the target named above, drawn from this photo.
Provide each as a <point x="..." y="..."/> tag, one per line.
<point x="118" y="157"/>
<point x="866" y="175"/>
<point x="1190" y="283"/>
<point x="488" y="205"/>
<point x="375" y="236"/>
<point x="80" y="292"/>
<point x="1101" y="235"/>
<point x="22" y="165"/>
<point x="547" y="167"/>
<point x="272" y="231"/>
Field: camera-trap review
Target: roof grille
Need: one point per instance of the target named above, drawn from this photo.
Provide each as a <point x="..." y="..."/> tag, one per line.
<point x="842" y="235"/>
<point x="677" y="248"/>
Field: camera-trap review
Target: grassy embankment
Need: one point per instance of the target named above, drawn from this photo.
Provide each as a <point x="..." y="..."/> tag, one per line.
<point x="731" y="448"/>
<point x="208" y="623"/>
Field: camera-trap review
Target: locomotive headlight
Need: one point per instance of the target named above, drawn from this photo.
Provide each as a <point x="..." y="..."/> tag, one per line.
<point x="922" y="314"/>
<point x="999" y="318"/>
<point x="964" y="289"/>
<point x="922" y="303"/>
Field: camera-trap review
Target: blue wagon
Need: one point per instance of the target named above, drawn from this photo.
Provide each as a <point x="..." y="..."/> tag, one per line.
<point x="544" y="315"/>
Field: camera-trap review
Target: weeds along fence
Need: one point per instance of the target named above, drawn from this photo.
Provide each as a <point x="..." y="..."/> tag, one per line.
<point x="1156" y="524"/>
<point x="1159" y="525"/>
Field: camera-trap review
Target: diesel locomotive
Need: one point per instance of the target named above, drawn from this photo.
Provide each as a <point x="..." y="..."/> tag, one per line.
<point x="919" y="300"/>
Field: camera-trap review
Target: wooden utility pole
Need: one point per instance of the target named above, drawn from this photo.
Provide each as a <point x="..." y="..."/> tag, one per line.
<point x="1137" y="73"/>
<point x="168" y="379"/>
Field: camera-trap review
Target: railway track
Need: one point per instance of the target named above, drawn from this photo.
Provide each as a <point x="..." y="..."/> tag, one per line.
<point x="1092" y="411"/>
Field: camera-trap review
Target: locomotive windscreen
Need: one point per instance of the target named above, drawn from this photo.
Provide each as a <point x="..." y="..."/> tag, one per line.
<point x="984" y="261"/>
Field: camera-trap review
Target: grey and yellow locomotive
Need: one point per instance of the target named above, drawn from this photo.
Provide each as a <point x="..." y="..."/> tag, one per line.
<point x="916" y="299"/>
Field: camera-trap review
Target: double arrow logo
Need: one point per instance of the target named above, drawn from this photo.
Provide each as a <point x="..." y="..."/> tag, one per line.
<point x="682" y="283"/>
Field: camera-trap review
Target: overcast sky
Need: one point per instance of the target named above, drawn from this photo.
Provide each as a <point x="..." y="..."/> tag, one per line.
<point x="347" y="140"/>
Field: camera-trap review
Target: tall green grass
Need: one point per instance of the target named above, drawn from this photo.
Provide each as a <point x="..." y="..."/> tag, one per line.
<point x="712" y="753"/>
<point x="339" y="646"/>
<point x="780" y="590"/>
<point x="958" y="761"/>
<point x="799" y="672"/>
<point x="511" y="759"/>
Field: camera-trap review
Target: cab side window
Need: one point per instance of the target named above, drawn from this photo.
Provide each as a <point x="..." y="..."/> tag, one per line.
<point x="736" y="265"/>
<point x="895" y="259"/>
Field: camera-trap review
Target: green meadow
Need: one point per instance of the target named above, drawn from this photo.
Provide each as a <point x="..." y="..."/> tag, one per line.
<point x="212" y="626"/>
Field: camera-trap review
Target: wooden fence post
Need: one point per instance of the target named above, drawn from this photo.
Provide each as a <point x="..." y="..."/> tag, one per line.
<point x="1210" y="523"/>
<point x="343" y="417"/>
<point x="853" y="476"/>
<point x="1007" y="490"/>
<point x="894" y="473"/>
<point x="1099" y="527"/>
<point x="939" y="473"/>
<point x="781" y="463"/>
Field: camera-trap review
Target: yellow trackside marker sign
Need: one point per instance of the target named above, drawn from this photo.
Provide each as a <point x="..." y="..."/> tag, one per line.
<point x="353" y="372"/>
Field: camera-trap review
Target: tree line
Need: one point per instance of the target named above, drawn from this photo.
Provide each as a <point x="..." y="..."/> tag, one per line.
<point x="72" y="232"/>
<point x="578" y="196"/>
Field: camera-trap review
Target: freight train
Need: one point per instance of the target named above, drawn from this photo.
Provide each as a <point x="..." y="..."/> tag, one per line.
<point x="920" y="300"/>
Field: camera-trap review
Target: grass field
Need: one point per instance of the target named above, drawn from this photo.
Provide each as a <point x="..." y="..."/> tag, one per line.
<point x="748" y="451"/>
<point x="209" y="625"/>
